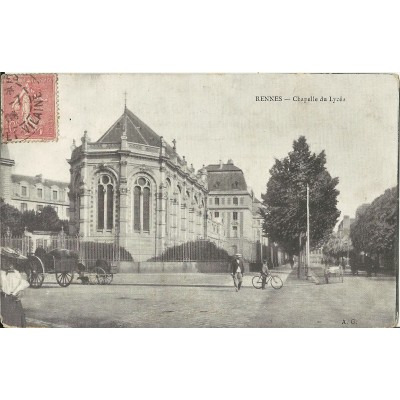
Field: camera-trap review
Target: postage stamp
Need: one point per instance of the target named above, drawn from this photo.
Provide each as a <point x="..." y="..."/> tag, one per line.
<point x="29" y="107"/>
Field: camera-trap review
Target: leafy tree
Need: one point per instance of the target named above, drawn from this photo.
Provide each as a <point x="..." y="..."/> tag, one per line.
<point x="285" y="213"/>
<point x="10" y="218"/>
<point x="45" y="220"/>
<point x="29" y="220"/>
<point x="338" y="246"/>
<point x="375" y="230"/>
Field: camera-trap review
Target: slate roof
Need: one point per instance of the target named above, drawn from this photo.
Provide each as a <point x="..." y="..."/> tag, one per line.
<point x="33" y="180"/>
<point x="136" y="131"/>
<point x="225" y="177"/>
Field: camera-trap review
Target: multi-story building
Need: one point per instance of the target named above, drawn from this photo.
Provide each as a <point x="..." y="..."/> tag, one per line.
<point x="233" y="203"/>
<point x="31" y="192"/>
<point x="344" y="225"/>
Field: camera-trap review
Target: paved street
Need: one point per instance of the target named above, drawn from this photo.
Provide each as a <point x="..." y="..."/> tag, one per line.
<point x="209" y="300"/>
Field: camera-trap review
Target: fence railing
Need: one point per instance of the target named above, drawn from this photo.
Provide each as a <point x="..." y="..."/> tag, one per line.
<point x="23" y="244"/>
<point x="92" y="250"/>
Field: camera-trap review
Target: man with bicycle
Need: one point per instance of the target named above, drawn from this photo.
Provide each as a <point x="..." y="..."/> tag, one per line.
<point x="264" y="273"/>
<point x="237" y="271"/>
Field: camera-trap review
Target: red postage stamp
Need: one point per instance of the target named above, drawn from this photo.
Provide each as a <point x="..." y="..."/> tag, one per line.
<point x="29" y="107"/>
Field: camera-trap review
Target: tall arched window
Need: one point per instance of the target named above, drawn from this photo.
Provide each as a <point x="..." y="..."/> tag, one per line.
<point x="141" y="204"/>
<point x="178" y="211"/>
<point x="167" y="208"/>
<point x="105" y="202"/>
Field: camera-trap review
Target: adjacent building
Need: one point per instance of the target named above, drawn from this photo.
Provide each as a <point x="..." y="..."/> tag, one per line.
<point x="232" y="202"/>
<point x="31" y="192"/>
<point x="344" y="226"/>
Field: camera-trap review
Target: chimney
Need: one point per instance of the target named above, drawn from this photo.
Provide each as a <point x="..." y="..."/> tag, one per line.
<point x="220" y="164"/>
<point x="230" y="162"/>
<point x="39" y="178"/>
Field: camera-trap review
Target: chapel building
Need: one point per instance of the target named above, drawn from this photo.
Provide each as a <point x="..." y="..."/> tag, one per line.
<point x="132" y="187"/>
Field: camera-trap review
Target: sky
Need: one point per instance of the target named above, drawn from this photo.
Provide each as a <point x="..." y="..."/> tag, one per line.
<point x="216" y="117"/>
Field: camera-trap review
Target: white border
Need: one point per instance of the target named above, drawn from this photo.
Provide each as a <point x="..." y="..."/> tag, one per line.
<point x="207" y="36"/>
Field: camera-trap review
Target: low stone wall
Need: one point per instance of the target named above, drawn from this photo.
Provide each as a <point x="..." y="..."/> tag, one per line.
<point x="153" y="267"/>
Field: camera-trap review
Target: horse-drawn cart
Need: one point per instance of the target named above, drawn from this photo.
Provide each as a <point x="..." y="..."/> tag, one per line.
<point x="64" y="263"/>
<point x="102" y="273"/>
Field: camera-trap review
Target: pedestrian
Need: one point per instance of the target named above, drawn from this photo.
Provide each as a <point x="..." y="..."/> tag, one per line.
<point x="343" y="264"/>
<point x="12" y="284"/>
<point x="291" y="262"/>
<point x="237" y="271"/>
<point x="264" y="273"/>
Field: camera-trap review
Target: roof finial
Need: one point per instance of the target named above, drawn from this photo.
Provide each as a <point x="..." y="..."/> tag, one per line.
<point x="125" y="100"/>
<point x="174" y="142"/>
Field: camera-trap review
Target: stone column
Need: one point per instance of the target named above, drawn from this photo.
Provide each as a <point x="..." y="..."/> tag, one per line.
<point x="85" y="192"/>
<point x="161" y="202"/>
<point x="123" y="223"/>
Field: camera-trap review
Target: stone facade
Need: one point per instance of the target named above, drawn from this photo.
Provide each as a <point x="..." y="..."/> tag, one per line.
<point x="344" y="225"/>
<point x="133" y="187"/>
<point x="233" y="203"/>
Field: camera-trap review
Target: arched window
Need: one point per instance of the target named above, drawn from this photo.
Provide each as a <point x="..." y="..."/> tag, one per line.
<point x="105" y="202"/>
<point x="167" y="207"/>
<point x="178" y="210"/>
<point x="141" y="204"/>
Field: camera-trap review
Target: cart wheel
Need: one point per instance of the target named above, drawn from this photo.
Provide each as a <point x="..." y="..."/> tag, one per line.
<point x="64" y="279"/>
<point x="93" y="279"/>
<point x="35" y="272"/>
<point x="276" y="282"/>
<point x="101" y="276"/>
<point x="257" y="281"/>
<point x="108" y="279"/>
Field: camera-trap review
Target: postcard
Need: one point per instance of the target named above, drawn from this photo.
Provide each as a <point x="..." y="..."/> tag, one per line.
<point x="199" y="200"/>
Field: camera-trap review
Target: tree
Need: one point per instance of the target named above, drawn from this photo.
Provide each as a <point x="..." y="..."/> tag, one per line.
<point x="10" y="218"/>
<point x="29" y="220"/>
<point x="45" y="220"/>
<point x="375" y="229"/>
<point x="338" y="246"/>
<point x="285" y="213"/>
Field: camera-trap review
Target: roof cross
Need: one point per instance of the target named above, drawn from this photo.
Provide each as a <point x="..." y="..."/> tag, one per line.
<point x="125" y="98"/>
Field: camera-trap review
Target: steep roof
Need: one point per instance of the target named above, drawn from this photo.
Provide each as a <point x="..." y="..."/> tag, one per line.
<point x="136" y="131"/>
<point x="33" y="180"/>
<point x="222" y="167"/>
<point x="225" y="177"/>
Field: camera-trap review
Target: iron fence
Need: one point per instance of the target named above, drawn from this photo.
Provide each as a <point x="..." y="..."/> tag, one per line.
<point x="91" y="250"/>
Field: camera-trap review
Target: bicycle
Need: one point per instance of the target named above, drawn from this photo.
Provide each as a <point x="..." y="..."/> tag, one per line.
<point x="275" y="281"/>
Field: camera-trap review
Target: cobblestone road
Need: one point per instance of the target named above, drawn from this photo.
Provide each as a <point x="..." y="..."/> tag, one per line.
<point x="209" y="300"/>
